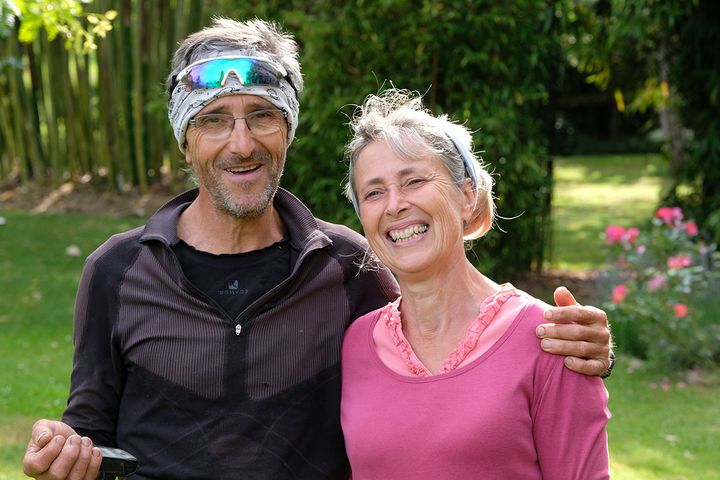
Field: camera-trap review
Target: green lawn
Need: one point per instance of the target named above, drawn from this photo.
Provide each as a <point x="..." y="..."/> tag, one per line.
<point x="592" y="192"/>
<point x="37" y="290"/>
<point x="654" y="434"/>
<point x="661" y="428"/>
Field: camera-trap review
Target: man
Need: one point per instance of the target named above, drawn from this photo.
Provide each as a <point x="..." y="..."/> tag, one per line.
<point x="207" y="342"/>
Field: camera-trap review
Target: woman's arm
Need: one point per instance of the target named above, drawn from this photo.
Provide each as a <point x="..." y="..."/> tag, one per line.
<point x="570" y="413"/>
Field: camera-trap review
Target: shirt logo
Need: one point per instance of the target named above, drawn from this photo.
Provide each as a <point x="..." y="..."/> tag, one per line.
<point x="233" y="288"/>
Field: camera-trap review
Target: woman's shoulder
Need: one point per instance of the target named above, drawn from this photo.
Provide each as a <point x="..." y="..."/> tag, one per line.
<point x="365" y="322"/>
<point x="529" y="309"/>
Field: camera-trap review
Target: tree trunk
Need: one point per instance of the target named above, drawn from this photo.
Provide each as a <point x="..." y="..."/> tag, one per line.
<point x="670" y="121"/>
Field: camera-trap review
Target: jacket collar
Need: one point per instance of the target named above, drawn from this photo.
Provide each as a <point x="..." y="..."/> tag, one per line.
<point x="302" y="226"/>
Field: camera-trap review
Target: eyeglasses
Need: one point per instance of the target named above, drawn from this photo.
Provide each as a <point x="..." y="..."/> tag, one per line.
<point x="213" y="72"/>
<point x="260" y="122"/>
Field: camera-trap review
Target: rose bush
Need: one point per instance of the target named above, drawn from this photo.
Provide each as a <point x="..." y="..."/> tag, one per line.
<point x="664" y="290"/>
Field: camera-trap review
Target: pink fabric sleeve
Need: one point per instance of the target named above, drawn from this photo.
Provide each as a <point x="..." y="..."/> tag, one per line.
<point x="570" y="415"/>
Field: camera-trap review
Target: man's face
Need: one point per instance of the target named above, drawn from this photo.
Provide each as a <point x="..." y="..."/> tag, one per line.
<point x="242" y="171"/>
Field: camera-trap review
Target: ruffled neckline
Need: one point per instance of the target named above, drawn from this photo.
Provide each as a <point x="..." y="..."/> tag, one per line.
<point x="390" y="316"/>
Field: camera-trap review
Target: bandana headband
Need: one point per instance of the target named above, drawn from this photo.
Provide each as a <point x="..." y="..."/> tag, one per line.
<point x="184" y="104"/>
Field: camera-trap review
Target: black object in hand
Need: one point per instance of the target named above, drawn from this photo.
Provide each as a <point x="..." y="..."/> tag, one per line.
<point x="116" y="462"/>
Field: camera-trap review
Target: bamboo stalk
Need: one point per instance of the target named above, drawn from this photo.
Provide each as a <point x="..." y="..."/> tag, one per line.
<point x="138" y="44"/>
<point x="107" y="136"/>
<point x="61" y="77"/>
<point x="10" y="158"/>
<point x="17" y="112"/>
<point x="121" y="97"/>
<point x="84" y="111"/>
<point x="47" y="109"/>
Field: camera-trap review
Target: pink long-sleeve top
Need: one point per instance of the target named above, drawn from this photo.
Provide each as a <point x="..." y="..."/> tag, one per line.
<point x="501" y="408"/>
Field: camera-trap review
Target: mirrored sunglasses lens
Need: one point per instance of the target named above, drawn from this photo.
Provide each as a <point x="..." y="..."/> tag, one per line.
<point x="206" y="75"/>
<point x="213" y="74"/>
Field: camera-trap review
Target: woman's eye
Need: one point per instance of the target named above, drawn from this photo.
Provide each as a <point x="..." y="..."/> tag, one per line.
<point x="416" y="181"/>
<point x="372" y="193"/>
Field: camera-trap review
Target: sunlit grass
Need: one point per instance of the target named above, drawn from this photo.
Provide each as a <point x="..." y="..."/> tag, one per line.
<point x="38" y="280"/>
<point x="663" y="428"/>
<point x="592" y="192"/>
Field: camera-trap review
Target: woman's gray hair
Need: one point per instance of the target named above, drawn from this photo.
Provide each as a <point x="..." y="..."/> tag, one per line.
<point x="252" y="37"/>
<point x="399" y="118"/>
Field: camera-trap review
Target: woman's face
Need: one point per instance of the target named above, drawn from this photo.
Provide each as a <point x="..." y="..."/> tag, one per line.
<point x="411" y="210"/>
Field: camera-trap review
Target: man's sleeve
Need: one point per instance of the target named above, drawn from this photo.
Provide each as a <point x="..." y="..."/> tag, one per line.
<point x="98" y="375"/>
<point x="370" y="289"/>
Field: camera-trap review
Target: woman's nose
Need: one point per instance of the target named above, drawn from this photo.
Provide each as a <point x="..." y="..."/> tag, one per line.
<point x="396" y="202"/>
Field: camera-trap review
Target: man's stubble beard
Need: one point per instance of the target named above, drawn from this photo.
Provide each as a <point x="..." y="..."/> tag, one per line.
<point x="253" y="205"/>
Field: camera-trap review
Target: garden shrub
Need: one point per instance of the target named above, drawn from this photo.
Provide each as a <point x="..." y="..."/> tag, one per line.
<point x="664" y="304"/>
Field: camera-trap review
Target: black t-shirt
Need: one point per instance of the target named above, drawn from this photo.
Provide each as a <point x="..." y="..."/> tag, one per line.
<point x="236" y="280"/>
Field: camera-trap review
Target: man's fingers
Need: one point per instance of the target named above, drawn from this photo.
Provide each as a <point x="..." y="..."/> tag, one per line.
<point x="573" y="331"/>
<point x="43" y="431"/>
<point x="65" y="461"/>
<point x="48" y="441"/>
<point x="79" y="469"/>
<point x="574" y="348"/>
<point x="593" y="366"/>
<point x="563" y="297"/>
<point x="577" y="314"/>
<point x="38" y="460"/>
<point x="94" y="467"/>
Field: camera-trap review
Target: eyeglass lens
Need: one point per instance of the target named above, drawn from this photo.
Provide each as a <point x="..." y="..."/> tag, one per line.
<point x="261" y="122"/>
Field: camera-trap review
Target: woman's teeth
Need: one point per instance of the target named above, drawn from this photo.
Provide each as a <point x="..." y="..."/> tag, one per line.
<point x="407" y="233"/>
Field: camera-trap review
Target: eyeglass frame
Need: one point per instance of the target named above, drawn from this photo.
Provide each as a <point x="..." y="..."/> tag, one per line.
<point x="193" y="121"/>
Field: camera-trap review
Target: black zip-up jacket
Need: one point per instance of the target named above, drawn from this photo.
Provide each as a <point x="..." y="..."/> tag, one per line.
<point x="160" y="371"/>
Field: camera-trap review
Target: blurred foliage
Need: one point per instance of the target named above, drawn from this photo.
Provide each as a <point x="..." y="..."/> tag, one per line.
<point x="98" y="110"/>
<point x="66" y="19"/>
<point x="102" y="114"/>
<point x="660" y="55"/>
<point x="489" y="81"/>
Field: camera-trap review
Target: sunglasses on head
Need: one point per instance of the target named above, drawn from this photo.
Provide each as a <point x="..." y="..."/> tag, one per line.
<point x="213" y="72"/>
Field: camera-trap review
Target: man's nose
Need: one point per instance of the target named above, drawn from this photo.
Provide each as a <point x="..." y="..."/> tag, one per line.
<point x="241" y="141"/>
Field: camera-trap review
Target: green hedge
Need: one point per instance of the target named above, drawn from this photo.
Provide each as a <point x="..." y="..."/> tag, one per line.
<point x="486" y="63"/>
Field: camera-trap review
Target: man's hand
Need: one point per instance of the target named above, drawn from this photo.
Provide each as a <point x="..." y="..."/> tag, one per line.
<point x="55" y="451"/>
<point x="580" y="333"/>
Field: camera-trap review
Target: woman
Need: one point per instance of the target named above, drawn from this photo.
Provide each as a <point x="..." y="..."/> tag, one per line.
<point x="448" y="381"/>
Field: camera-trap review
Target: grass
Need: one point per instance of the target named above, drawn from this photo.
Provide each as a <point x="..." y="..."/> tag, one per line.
<point x="592" y="192"/>
<point x="662" y="428"/>
<point x="654" y="434"/>
<point x="37" y="290"/>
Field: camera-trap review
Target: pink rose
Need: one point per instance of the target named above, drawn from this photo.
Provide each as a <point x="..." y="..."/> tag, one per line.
<point x="676" y="263"/>
<point x="619" y="293"/>
<point x="614" y="234"/>
<point x="691" y="228"/>
<point x="656" y="283"/>
<point x="631" y="234"/>
<point x="681" y="310"/>
<point x="669" y="215"/>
